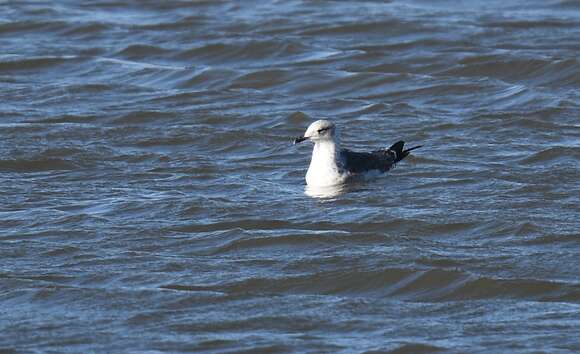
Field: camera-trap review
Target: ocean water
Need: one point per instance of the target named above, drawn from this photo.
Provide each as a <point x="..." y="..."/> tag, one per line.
<point x="151" y="199"/>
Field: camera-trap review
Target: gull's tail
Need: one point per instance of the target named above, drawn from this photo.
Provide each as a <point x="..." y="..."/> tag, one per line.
<point x="397" y="148"/>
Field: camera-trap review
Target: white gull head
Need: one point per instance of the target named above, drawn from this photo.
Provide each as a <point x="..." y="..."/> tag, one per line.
<point x="319" y="131"/>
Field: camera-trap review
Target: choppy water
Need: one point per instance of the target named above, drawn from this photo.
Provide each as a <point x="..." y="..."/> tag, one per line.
<point x="150" y="198"/>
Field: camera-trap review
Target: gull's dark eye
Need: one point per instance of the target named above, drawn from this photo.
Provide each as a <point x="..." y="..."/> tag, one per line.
<point x="322" y="130"/>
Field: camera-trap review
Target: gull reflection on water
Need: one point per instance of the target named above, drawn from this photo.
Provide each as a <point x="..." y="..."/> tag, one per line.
<point x="326" y="192"/>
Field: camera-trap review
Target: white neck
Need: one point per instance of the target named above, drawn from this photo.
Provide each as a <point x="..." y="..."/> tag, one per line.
<point x="324" y="169"/>
<point x="324" y="152"/>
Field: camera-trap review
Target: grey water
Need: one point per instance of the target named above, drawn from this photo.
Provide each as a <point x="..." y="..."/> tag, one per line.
<point x="151" y="199"/>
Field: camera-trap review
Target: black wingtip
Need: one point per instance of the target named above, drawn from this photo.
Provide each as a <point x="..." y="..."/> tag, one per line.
<point x="413" y="148"/>
<point x="398" y="146"/>
<point x="400" y="153"/>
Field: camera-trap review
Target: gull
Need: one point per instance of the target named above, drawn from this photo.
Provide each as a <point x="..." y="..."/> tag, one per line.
<point x="332" y="165"/>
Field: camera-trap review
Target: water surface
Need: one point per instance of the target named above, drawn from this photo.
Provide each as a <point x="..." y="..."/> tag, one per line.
<point x="151" y="200"/>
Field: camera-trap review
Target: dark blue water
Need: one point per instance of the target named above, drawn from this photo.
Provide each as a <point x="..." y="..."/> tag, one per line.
<point x="151" y="199"/>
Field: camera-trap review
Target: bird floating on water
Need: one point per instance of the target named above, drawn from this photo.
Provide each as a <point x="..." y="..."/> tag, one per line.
<point x="332" y="165"/>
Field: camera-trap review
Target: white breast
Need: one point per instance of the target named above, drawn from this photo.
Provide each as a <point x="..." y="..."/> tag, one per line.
<point x="324" y="169"/>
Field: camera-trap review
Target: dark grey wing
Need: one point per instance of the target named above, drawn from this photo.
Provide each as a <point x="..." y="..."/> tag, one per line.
<point x="358" y="162"/>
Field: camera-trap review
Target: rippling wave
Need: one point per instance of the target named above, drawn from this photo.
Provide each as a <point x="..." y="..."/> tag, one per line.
<point x="150" y="196"/>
